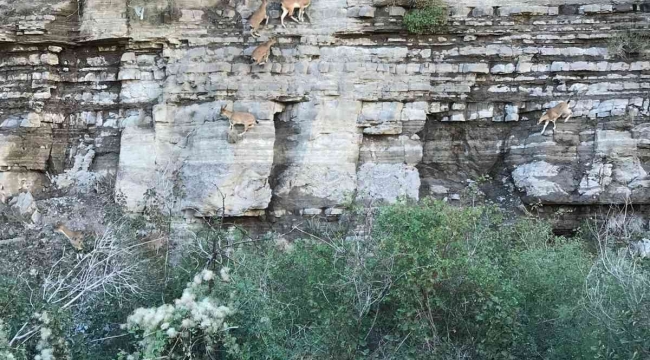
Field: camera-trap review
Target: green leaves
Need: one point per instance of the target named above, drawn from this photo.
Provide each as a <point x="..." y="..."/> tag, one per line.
<point x="429" y="17"/>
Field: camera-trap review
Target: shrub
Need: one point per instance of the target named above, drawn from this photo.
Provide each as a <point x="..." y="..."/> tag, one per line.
<point x="425" y="281"/>
<point x="486" y="287"/>
<point x="628" y="44"/>
<point x="428" y="16"/>
<point x="432" y="281"/>
<point x="618" y="289"/>
<point x="194" y="324"/>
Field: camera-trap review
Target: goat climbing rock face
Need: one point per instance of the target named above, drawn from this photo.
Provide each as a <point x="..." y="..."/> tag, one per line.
<point x="288" y="6"/>
<point x="257" y="18"/>
<point x="554" y="113"/>
<point x="239" y="118"/>
<point x="261" y="53"/>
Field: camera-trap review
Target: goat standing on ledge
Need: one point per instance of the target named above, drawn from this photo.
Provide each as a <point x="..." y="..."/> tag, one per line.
<point x="261" y="53"/>
<point x="288" y="6"/>
<point x="239" y="118"/>
<point x="256" y="19"/>
<point x="554" y="113"/>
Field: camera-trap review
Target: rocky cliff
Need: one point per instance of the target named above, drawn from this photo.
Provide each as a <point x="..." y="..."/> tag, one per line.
<point x="350" y="107"/>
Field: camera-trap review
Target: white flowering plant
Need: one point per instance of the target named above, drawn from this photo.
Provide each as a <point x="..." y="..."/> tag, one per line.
<point x="40" y="338"/>
<point x="195" y="323"/>
<point x="5" y="349"/>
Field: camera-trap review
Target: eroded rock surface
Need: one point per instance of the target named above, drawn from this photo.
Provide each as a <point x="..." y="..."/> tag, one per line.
<point x="349" y="106"/>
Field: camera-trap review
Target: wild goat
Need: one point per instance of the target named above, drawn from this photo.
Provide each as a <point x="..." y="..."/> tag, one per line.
<point x="554" y="113"/>
<point x="288" y="6"/>
<point x="261" y="53"/>
<point x="76" y="238"/>
<point x="256" y="19"/>
<point x="239" y="118"/>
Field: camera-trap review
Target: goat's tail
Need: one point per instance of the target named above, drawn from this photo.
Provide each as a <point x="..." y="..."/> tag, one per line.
<point x="256" y="121"/>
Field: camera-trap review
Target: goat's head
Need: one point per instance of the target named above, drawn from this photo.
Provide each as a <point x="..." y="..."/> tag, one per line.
<point x="223" y="109"/>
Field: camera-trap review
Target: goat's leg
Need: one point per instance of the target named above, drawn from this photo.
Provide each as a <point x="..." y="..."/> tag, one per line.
<point x="554" y="125"/>
<point x="544" y="129"/>
<point x="567" y="117"/>
<point x="262" y="60"/>
<point x="267" y="21"/>
<point x="291" y="15"/>
<point x="284" y="13"/>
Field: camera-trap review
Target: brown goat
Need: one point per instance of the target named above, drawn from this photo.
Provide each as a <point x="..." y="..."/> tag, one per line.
<point x="76" y="238"/>
<point x="288" y="6"/>
<point x="554" y="113"/>
<point x="261" y="53"/>
<point x="256" y="19"/>
<point x="239" y="118"/>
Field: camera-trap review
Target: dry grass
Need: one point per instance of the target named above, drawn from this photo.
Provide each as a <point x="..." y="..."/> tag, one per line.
<point x="113" y="267"/>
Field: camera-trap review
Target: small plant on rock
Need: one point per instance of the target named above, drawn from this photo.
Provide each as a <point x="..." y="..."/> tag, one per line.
<point x="427" y="16"/>
<point x="628" y="44"/>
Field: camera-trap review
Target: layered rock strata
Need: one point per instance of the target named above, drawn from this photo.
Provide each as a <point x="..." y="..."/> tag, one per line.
<point x="350" y="107"/>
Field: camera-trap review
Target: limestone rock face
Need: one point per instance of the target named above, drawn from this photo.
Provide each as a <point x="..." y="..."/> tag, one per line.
<point x="24" y="203"/>
<point x="25" y="150"/>
<point x="388" y="182"/>
<point x="316" y="166"/>
<point x="192" y="148"/>
<point x="348" y="106"/>
<point x="14" y="182"/>
<point x="137" y="167"/>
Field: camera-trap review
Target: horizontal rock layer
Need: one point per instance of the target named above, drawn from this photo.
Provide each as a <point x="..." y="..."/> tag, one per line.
<point x="349" y="106"/>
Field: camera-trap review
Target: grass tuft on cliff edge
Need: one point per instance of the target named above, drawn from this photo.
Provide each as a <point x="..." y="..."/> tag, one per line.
<point x="426" y="17"/>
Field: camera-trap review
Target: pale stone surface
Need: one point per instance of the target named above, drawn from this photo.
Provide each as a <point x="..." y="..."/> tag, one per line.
<point x="387" y="182"/>
<point x="319" y="165"/>
<point x="193" y="150"/>
<point x="29" y="152"/>
<point x="596" y="180"/>
<point x="23" y="203"/>
<point x="79" y="175"/>
<point x="536" y="178"/>
<point x="341" y="98"/>
<point x="391" y="150"/>
<point x="137" y="173"/>
<point x="14" y="182"/>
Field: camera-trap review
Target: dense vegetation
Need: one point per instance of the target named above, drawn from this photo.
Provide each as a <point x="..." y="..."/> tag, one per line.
<point x="426" y="17"/>
<point x="426" y="281"/>
<point x="629" y="44"/>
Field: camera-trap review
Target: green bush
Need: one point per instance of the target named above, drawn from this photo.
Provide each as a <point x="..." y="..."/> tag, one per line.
<point x="428" y="16"/>
<point x="427" y="281"/>
<point x="484" y="286"/>
<point x="432" y="281"/>
<point x="628" y="44"/>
